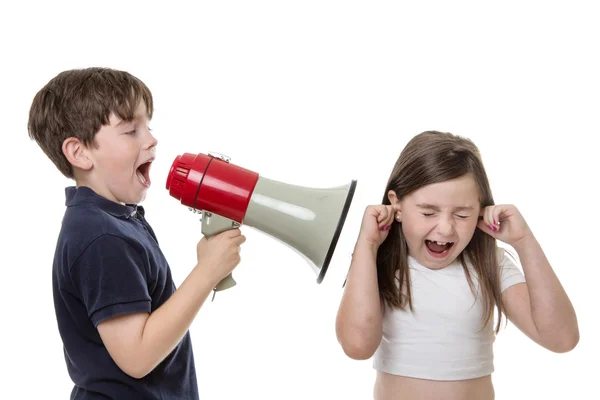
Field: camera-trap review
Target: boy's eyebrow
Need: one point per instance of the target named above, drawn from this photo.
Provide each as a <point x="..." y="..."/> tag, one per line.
<point x="436" y="208"/>
<point x="136" y="118"/>
<point x="124" y="121"/>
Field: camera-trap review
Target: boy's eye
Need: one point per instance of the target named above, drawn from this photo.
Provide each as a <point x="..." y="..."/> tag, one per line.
<point x="134" y="132"/>
<point x="427" y="214"/>
<point x="462" y="216"/>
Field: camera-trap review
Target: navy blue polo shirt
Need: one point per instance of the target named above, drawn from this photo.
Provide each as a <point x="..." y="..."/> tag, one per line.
<point x="108" y="263"/>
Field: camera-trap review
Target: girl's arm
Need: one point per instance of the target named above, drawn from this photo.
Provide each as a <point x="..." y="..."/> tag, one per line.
<point x="540" y="307"/>
<point x="359" y="319"/>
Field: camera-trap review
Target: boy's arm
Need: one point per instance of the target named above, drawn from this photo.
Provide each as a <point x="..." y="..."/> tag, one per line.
<point x="139" y="341"/>
<point x="359" y="318"/>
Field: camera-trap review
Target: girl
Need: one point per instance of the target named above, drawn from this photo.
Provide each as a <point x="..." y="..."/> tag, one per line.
<point x="427" y="275"/>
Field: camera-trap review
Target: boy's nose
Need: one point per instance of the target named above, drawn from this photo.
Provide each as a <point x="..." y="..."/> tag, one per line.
<point x="152" y="141"/>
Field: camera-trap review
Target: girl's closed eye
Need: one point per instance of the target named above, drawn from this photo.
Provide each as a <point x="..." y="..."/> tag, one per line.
<point x="462" y="216"/>
<point x="427" y="214"/>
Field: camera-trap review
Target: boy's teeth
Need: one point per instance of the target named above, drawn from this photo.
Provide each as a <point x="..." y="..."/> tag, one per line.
<point x="141" y="177"/>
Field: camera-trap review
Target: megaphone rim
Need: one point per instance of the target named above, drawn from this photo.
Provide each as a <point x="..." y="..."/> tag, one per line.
<point x="338" y="231"/>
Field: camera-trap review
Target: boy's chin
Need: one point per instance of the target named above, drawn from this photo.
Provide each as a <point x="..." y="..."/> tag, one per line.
<point x="135" y="197"/>
<point x="139" y="198"/>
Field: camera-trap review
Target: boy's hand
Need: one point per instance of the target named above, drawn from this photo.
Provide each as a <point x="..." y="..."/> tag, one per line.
<point x="504" y="222"/>
<point x="220" y="254"/>
<point x="376" y="223"/>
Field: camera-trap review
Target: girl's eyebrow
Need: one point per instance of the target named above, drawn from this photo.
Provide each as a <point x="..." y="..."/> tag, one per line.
<point x="436" y="208"/>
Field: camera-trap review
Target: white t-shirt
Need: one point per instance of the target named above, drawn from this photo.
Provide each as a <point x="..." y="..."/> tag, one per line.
<point x="442" y="339"/>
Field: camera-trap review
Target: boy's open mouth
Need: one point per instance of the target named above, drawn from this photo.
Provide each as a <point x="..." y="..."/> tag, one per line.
<point x="143" y="173"/>
<point x="438" y="247"/>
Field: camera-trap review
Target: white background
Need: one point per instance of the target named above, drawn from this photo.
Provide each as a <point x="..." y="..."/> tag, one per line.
<point x="313" y="93"/>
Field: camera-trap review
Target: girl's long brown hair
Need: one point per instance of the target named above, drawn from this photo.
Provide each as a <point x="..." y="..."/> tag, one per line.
<point x="433" y="157"/>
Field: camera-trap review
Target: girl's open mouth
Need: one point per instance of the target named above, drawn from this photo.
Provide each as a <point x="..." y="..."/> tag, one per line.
<point x="438" y="248"/>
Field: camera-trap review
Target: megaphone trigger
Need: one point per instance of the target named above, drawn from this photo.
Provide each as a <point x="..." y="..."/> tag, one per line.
<point x="213" y="224"/>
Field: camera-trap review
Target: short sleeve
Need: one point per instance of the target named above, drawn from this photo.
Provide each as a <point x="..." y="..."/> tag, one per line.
<point x="510" y="273"/>
<point x="111" y="280"/>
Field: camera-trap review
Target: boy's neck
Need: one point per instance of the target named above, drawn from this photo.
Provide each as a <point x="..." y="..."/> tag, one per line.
<point x="79" y="182"/>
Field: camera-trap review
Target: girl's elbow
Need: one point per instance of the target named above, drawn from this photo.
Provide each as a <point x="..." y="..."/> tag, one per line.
<point x="358" y="347"/>
<point x="357" y="351"/>
<point x="568" y="343"/>
<point x="359" y="340"/>
<point x="565" y="344"/>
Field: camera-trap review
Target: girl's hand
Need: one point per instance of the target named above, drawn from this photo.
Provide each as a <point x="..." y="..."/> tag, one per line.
<point x="376" y="223"/>
<point x="504" y="222"/>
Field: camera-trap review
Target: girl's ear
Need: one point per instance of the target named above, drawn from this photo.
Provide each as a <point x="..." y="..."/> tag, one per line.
<point x="393" y="198"/>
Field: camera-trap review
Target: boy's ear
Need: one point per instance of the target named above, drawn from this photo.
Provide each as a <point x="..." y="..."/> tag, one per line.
<point x="76" y="153"/>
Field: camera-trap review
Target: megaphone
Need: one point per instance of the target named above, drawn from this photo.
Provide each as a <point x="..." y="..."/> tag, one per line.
<point x="309" y="220"/>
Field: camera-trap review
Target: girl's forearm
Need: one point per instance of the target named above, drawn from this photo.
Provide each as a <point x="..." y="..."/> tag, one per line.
<point x="551" y="309"/>
<point x="359" y="319"/>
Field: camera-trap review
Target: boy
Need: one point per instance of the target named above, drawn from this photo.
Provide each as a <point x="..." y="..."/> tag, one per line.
<point x="123" y="324"/>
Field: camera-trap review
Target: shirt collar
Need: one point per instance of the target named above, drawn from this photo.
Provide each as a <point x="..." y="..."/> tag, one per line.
<point x="85" y="195"/>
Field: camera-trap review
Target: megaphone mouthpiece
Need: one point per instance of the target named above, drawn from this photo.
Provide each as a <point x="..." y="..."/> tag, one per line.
<point x="211" y="183"/>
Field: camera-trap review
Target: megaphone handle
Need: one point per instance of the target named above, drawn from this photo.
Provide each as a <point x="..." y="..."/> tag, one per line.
<point x="213" y="224"/>
<point x="225" y="283"/>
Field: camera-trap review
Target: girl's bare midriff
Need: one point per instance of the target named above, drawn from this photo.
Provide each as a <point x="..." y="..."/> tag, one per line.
<point x="392" y="387"/>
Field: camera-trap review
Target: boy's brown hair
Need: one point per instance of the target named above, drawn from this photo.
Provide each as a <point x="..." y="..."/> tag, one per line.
<point x="76" y="103"/>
